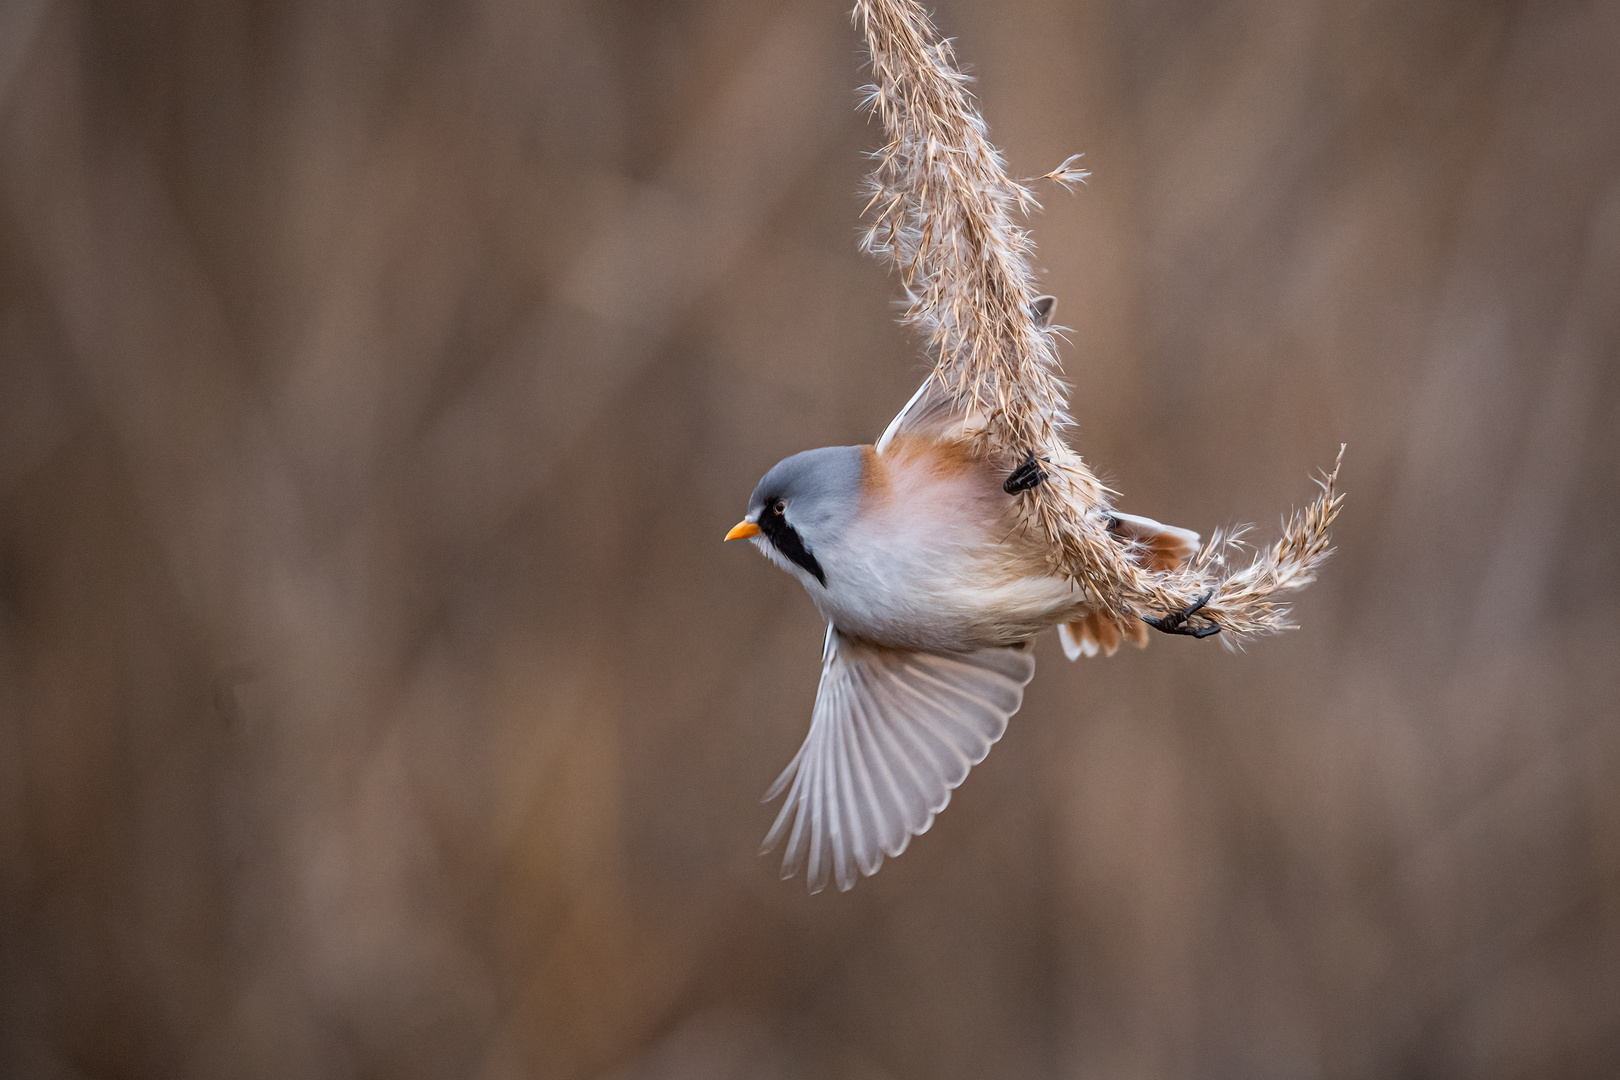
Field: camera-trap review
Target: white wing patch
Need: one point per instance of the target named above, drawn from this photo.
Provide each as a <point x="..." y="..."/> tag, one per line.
<point x="892" y="734"/>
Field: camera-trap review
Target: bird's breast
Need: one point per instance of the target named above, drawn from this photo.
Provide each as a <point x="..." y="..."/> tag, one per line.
<point x="935" y="559"/>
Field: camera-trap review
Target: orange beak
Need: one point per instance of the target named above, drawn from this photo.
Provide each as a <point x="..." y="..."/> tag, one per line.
<point x="742" y="531"/>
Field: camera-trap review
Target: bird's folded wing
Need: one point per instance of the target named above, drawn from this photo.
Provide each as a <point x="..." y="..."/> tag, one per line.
<point x="1154" y="545"/>
<point x="1098" y="632"/>
<point x="931" y="412"/>
<point x="1159" y="546"/>
<point x="934" y="411"/>
<point x="892" y="734"/>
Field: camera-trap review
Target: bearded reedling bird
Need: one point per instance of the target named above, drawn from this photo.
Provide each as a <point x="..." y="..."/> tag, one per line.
<point x="932" y="593"/>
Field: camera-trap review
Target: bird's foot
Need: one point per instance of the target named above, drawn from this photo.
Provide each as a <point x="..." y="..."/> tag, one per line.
<point x="1028" y="475"/>
<point x="1176" y="622"/>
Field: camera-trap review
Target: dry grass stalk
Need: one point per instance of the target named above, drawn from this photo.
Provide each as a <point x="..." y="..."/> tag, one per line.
<point x="942" y="209"/>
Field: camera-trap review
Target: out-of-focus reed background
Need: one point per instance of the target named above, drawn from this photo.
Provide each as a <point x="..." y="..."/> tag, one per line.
<point x="377" y="699"/>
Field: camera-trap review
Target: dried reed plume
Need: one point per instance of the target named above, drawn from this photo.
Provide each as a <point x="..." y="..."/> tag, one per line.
<point x="941" y="211"/>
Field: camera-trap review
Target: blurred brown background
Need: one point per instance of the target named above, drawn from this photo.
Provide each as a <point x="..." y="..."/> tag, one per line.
<point x="377" y="699"/>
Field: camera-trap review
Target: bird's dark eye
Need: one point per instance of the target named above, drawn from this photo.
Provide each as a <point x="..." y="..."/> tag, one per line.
<point x="781" y="506"/>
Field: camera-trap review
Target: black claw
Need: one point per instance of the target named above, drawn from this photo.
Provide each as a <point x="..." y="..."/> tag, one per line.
<point x="1175" y="622"/>
<point x="1199" y="606"/>
<point x="1028" y="475"/>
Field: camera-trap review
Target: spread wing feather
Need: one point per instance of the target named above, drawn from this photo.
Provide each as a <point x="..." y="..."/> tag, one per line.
<point x="892" y="734"/>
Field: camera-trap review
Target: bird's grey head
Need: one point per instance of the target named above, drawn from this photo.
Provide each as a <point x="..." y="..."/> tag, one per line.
<point x="803" y="504"/>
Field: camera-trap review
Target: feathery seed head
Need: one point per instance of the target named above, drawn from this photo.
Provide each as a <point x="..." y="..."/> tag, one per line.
<point x="940" y="211"/>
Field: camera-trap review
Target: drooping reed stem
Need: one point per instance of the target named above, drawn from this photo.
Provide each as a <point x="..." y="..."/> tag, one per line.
<point x="941" y="212"/>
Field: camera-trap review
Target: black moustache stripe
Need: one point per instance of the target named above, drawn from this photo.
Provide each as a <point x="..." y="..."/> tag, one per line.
<point x="785" y="538"/>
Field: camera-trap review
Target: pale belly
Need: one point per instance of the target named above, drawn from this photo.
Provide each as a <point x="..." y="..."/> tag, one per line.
<point x="942" y="590"/>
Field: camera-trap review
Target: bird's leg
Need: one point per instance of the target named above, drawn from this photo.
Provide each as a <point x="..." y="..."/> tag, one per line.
<point x="1175" y="622"/>
<point x="1028" y="475"/>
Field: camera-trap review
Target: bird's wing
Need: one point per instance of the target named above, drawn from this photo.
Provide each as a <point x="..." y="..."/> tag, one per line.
<point x="1156" y="546"/>
<point x="893" y="732"/>
<point x="1098" y="633"/>
<point x="931" y="412"/>
<point x="1159" y="546"/>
